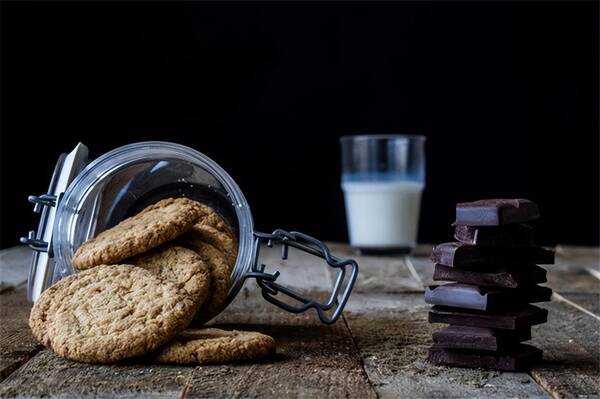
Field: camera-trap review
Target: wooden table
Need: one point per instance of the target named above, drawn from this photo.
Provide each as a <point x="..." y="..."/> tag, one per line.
<point x="376" y="349"/>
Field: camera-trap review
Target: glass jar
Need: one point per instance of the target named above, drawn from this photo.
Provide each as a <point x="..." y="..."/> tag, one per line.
<point x="84" y="201"/>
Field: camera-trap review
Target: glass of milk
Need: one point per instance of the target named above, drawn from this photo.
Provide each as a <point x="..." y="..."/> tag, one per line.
<point x="383" y="177"/>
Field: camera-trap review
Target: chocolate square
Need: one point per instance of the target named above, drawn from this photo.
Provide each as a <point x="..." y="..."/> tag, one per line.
<point x="520" y="357"/>
<point x="456" y="254"/>
<point x="467" y="296"/>
<point x="509" y="277"/>
<point x="478" y="338"/>
<point x="496" y="212"/>
<point x="514" y="319"/>
<point x="517" y="235"/>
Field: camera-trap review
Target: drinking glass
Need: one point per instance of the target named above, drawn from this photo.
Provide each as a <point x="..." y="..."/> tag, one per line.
<point x="383" y="177"/>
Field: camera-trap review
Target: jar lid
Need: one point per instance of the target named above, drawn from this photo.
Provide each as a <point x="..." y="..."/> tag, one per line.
<point x="41" y="272"/>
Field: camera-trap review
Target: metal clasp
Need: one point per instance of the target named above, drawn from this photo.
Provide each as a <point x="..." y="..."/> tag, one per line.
<point x="42" y="200"/>
<point x="267" y="282"/>
<point x="35" y="243"/>
<point x="33" y="239"/>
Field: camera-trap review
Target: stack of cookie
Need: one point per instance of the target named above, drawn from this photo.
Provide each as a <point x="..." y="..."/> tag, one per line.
<point x="141" y="284"/>
<point x="495" y="273"/>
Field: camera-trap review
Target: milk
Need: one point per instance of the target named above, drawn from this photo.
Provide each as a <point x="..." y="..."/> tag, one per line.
<point x="383" y="215"/>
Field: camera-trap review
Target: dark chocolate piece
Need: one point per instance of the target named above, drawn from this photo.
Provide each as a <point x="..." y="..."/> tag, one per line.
<point x="520" y="357"/>
<point x="516" y="235"/>
<point x="496" y="212"/>
<point x="525" y="275"/>
<point x="475" y="338"/>
<point x="461" y="255"/>
<point x="516" y="319"/>
<point x="484" y="298"/>
<point x="466" y="296"/>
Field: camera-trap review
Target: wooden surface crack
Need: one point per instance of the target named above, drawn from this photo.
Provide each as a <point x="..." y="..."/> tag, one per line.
<point x="17" y="362"/>
<point x="361" y="360"/>
<point x="186" y="386"/>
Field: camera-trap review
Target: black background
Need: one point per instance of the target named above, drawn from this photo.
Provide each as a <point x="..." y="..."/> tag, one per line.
<point x="506" y="93"/>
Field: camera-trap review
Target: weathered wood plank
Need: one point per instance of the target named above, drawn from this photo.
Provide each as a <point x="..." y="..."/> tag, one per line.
<point x="49" y="375"/>
<point x="301" y="270"/>
<point x="577" y="287"/>
<point x="420" y="264"/>
<point x="380" y="273"/>
<point x="570" y="341"/>
<point x="423" y="268"/>
<point x="575" y="277"/>
<point x="16" y="342"/>
<point x="571" y="279"/>
<point x="312" y="359"/>
<point x="393" y="336"/>
<point x="590" y="302"/>
<point x="390" y="329"/>
<point x="571" y="273"/>
<point x="14" y="266"/>
<point x="588" y="257"/>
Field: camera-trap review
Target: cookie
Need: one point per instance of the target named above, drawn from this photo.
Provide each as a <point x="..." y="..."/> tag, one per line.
<point x="220" y="272"/>
<point x="215" y="346"/>
<point x="110" y="313"/>
<point x="211" y="218"/>
<point x="213" y="229"/>
<point x="153" y="226"/>
<point x="221" y="240"/>
<point x="180" y="266"/>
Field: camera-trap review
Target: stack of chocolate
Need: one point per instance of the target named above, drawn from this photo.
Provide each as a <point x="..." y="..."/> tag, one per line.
<point x="495" y="273"/>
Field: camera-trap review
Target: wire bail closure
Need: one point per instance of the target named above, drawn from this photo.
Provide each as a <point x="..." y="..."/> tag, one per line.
<point x="270" y="289"/>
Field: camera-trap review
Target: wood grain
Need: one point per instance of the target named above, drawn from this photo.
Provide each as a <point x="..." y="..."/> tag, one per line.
<point x="16" y="342"/>
<point x="14" y="266"/>
<point x="380" y="273"/>
<point x="423" y="268"/>
<point x="377" y="349"/>
<point x="572" y="274"/>
<point x="312" y="360"/>
<point x="301" y="270"/>
<point x="49" y="375"/>
<point x="575" y="276"/>
<point x="588" y="257"/>
<point x="393" y="336"/>
<point x="570" y="341"/>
